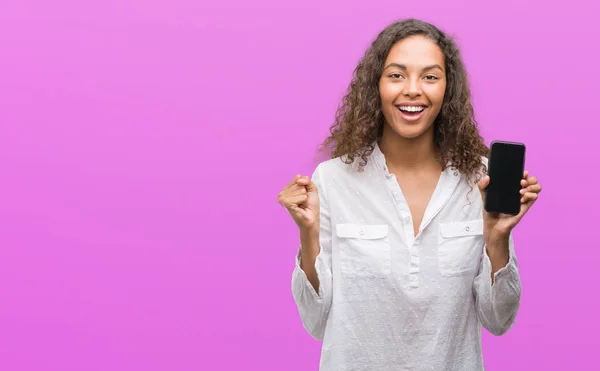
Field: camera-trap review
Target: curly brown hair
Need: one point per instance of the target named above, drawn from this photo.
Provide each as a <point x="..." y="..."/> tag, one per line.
<point x="359" y="119"/>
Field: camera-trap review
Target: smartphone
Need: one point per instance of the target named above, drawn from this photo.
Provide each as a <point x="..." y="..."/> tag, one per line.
<point x="505" y="168"/>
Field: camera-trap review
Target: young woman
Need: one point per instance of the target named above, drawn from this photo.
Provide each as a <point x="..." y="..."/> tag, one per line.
<point x="399" y="265"/>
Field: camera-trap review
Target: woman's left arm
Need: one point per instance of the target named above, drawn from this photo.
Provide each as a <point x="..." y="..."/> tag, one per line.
<point x="497" y="286"/>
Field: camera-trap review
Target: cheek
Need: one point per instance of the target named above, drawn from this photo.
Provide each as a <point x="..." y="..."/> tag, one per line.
<point x="436" y="94"/>
<point x="387" y="93"/>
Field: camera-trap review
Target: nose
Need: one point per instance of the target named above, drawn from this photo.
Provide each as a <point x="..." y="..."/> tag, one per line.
<point x="412" y="88"/>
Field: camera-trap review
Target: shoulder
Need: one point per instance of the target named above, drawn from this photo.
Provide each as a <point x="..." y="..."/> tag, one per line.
<point x="340" y="166"/>
<point x="339" y="174"/>
<point x="330" y="168"/>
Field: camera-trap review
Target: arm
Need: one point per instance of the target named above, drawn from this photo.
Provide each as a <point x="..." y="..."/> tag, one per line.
<point x="497" y="287"/>
<point x="312" y="277"/>
<point x="498" y="251"/>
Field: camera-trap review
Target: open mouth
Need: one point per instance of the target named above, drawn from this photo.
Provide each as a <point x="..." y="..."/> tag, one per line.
<point x="411" y="112"/>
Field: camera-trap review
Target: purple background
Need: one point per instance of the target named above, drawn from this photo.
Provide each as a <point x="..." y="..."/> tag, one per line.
<point x="143" y="144"/>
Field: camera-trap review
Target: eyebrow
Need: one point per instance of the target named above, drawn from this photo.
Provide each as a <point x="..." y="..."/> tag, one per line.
<point x="403" y="67"/>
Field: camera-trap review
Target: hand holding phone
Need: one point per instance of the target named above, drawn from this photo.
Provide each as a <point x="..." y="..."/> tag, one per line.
<point x="505" y="169"/>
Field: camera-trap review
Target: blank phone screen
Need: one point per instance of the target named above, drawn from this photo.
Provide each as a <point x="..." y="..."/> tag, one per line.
<point x="505" y="169"/>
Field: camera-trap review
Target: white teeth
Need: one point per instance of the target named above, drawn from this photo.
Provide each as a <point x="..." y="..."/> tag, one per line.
<point x="412" y="108"/>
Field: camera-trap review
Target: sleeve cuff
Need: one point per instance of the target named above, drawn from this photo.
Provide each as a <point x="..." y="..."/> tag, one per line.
<point x="307" y="285"/>
<point x="507" y="277"/>
<point x="508" y="270"/>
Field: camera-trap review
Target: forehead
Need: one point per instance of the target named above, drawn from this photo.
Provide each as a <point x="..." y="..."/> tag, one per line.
<point x="415" y="51"/>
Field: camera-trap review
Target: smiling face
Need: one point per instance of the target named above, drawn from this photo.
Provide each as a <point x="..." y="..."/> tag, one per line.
<point x="412" y="86"/>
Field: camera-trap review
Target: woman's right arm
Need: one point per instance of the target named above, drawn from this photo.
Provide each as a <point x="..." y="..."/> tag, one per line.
<point x="312" y="278"/>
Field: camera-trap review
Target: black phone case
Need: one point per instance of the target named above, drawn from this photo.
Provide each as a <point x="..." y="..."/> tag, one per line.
<point x="514" y="206"/>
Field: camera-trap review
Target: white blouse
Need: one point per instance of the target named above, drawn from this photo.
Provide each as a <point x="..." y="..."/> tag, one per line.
<point x="389" y="300"/>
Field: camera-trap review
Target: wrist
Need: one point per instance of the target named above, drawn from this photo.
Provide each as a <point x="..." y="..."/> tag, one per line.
<point x="497" y="249"/>
<point x="310" y="234"/>
<point x="309" y="240"/>
<point x="497" y="240"/>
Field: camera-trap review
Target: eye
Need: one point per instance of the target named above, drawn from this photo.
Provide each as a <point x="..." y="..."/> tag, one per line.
<point x="431" y="77"/>
<point x="395" y="76"/>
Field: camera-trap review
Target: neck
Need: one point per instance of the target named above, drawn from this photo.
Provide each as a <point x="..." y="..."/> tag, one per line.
<point x="408" y="154"/>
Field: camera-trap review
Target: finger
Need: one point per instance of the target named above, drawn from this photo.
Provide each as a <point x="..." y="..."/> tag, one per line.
<point x="528" y="197"/>
<point x="310" y="185"/>
<point x="525" y="174"/>
<point x="290" y="191"/>
<point x="307" y="182"/>
<point x="536" y="188"/>
<point x="303" y="180"/>
<point x="293" y="181"/>
<point x="532" y="180"/>
<point x="294" y="201"/>
<point x="524" y="183"/>
<point x="296" y="188"/>
<point x="483" y="184"/>
<point x="525" y="206"/>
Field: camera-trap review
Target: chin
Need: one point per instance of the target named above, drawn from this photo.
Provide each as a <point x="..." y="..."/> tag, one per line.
<point x="410" y="131"/>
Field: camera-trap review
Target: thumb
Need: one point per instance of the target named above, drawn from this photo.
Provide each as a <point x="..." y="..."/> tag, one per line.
<point x="311" y="187"/>
<point x="308" y="183"/>
<point x="482" y="185"/>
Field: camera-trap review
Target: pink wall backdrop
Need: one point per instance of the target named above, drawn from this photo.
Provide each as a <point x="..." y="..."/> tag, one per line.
<point x="143" y="144"/>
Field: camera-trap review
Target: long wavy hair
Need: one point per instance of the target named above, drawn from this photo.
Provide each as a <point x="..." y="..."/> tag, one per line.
<point x="359" y="118"/>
